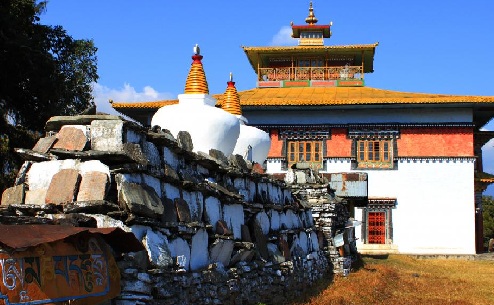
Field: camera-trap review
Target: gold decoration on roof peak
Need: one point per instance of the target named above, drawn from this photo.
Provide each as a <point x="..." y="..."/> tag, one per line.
<point x="311" y="19"/>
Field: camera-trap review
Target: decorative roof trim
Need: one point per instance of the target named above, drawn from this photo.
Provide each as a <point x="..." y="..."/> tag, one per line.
<point x="376" y="125"/>
<point x="435" y="158"/>
<point x="301" y="48"/>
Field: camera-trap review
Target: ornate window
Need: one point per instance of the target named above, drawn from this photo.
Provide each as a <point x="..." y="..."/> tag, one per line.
<point x="375" y="153"/>
<point x="304" y="151"/>
<point x="374" y="147"/>
<point x="304" y="144"/>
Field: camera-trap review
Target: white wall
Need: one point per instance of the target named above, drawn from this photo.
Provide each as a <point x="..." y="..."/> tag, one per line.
<point x="435" y="212"/>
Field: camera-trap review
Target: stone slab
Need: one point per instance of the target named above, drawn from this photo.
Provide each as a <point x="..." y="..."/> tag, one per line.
<point x="63" y="187"/>
<point x="107" y="135"/>
<point x="185" y="141"/>
<point x="222" y="228"/>
<point x="44" y="144"/>
<point x="183" y="210"/>
<point x="140" y="199"/>
<point x="13" y="195"/>
<point x="245" y="233"/>
<point x="36" y="197"/>
<point x="221" y="251"/>
<point x="170" y="212"/>
<point x="261" y="241"/>
<point x="71" y="138"/>
<point x="54" y="123"/>
<point x="93" y="186"/>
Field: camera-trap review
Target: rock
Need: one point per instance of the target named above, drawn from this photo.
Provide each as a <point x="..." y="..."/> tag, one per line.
<point x="222" y="228"/>
<point x="221" y="251"/>
<point x="71" y="138"/>
<point x="93" y="186"/>
<point x="169" y="212"/>
<point x="219" y="155"/>
<point x="36" y="197"/>
<point x="246" y="234"/>
<point x="199" y="250"/>
<point x="238" y="161"/>
<point x="261" y="241"/>
<point x="63" y="187"/>
<point x="56" y="122"/>
<point x="140" y="199"/>
<point x="44" y="144"/>
<point x="185" y="141"/>
<point x="13" y="195"/>
<point x="183" y="210"/>
<point x="107" y="135"/>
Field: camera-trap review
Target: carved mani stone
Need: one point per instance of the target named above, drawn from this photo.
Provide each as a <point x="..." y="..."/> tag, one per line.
<point x="63" y="187"/>
<point x="44" y="144"/>
<point x="71" y="138"/>
<point x="93" y="186"/>
<point x="13" y="195"/>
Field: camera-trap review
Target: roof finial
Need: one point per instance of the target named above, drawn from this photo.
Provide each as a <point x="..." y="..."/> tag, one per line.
<point x="231" y="99"/>
<point x="196" y="80"/>
<point x="311" y="19"/>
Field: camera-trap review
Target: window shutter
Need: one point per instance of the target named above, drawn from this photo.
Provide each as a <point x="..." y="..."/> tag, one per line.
<point x="324" y="148"/>
<point x="284" y="149"/>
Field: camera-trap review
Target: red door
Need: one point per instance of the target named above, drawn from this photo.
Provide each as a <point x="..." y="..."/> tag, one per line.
<point x="376" y="228"/>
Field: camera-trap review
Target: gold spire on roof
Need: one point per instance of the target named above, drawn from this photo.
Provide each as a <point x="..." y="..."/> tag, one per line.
<point x="231" y="99"/>
<point x="311" y="19"/>
<point x="196" y="80"/>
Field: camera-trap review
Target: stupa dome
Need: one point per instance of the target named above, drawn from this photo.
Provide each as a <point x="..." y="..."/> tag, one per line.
<point x="208" y="126"/>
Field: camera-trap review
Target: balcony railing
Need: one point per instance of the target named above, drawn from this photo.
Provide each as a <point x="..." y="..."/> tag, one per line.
<point x="311" y="73"/>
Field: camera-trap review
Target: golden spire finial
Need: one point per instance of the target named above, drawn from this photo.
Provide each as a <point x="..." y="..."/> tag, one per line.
<point x="311" y="19"/>
<point x="231" y="99"/>
<point x="196" y="80"/>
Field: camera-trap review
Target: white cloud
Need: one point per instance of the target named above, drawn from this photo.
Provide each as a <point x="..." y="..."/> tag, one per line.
<point x="102" y="96"/>
<point x="284" y="37"/>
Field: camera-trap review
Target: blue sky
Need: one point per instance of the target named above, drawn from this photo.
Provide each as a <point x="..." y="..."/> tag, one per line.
<point x="144" y="47"/>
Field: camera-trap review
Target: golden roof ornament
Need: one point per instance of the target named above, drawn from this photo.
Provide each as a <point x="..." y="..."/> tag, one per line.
<point x="231" y="99"/>
<point x="311" y="19"/>
<point x="196" y="82"/>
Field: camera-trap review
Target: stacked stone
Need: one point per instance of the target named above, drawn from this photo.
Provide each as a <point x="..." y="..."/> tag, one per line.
<point x="330" y="215"/>
<point x="209" y="223"/>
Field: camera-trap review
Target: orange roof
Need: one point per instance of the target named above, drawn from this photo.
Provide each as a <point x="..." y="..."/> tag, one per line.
<point x="328" y="96"/>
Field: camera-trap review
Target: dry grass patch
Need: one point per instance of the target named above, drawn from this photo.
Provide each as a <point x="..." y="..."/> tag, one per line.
<point x="404" y="280"/>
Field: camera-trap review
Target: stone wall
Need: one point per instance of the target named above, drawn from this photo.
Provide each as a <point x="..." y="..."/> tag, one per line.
<point x="215" y="230"/>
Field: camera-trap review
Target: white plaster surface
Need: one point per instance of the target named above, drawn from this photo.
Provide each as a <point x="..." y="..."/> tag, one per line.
<point x="199" y="257"/>
<point x="303" y="242"/>
<point x="212" y="128"/>
<point x="233" y="215"/>
<point x="171" y="191"/>
<point x="275" y="220"/>
<point x="153" y="182"/>
<point x="257" y="139"/>
<point x="40" y="174"/>
<point x="131" y="136"/>
<point x="195" y="202"/>
<point x="170" y="158"/>
<point x="314" y="242"/>
<point x="178" y="247"/>
<point x="212" y="207"/>
<point x="435" y="211"/>
<point x="156" y="245"/>
<point x="152" y="154"/>
<point x="263" y="220"/>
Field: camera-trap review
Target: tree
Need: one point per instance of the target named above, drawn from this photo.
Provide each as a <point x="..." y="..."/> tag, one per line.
<point x="44" y="72"/>
<point x="488" y="215"/>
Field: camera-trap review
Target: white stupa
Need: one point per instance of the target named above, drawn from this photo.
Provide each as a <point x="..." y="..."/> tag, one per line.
<point x="209" y="127"/>
<point x="253" y="142"/>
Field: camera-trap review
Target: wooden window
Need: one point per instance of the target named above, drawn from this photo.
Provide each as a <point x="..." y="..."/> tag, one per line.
<point x="304" y="151"/>
<point x="376" y="227"/>
<point x="375" y="153"/>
